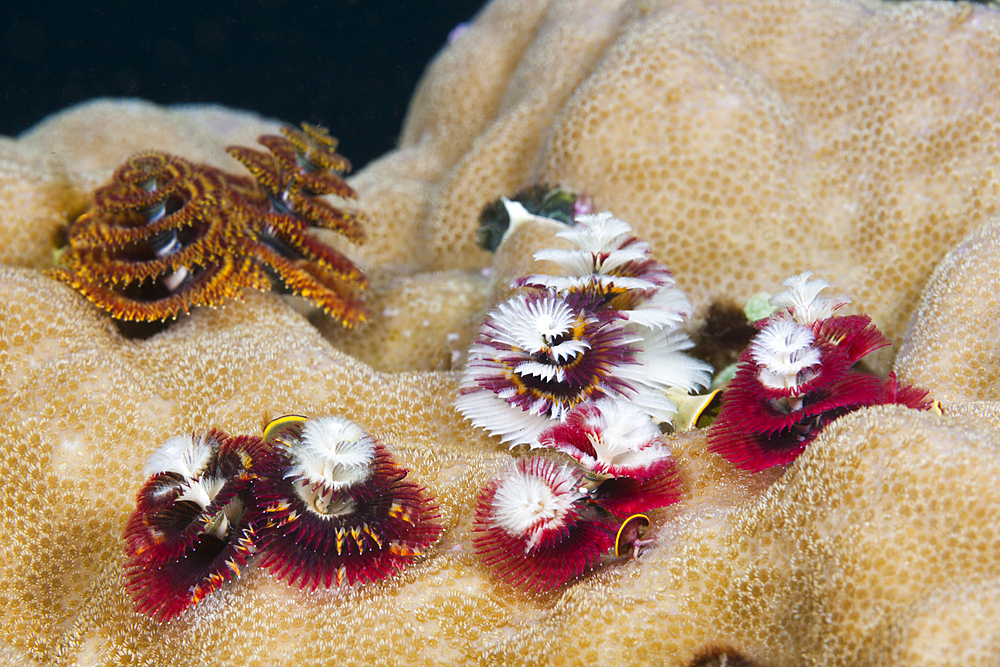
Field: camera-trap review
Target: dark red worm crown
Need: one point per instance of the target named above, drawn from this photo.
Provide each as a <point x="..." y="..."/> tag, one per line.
<point x="319" y="502"/>
<point x="534" y="528"/>
<point x="628" y="465"/>
<point x="761" y="425"/>
<point x="318" y="531"/>
<point x="540" y="523"/>
<point x="187" y="536"/>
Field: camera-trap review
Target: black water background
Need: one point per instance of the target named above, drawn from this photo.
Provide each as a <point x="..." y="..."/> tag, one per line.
<point x="350" y="65"/>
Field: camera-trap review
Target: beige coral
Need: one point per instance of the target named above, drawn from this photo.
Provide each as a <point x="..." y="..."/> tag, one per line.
<point x="746" y="141"/>
<point x="956" y="326"/>
<point x="852" y="557"/>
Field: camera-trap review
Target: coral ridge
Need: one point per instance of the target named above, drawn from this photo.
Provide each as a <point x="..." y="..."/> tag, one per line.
<point x="744" y="142"/>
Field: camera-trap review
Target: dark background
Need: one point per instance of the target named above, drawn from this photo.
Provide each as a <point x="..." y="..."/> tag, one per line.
<point x="350" y="65"/>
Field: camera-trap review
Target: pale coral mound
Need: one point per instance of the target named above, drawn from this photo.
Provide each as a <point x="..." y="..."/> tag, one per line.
<point x="746" y="141"/>
<point x="86" y="407"/>
<point x="957" y="327"/>
<point x="858" y="555"/>
<point x="867" y="550"/>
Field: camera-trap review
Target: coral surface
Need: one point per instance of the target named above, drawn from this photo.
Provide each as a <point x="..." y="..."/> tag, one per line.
<point x="745" y="141"/>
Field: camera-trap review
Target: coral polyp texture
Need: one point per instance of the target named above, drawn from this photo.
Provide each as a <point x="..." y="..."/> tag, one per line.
<point x="739" y="155"/>
<point x="797" y="375"/>
<point x="333" y="508"/>
<point x="167" y="234"/>
<point x="744" y="142"/>
<point x="187" y="536"/>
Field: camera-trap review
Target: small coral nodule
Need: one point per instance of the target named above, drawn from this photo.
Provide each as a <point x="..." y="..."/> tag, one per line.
<point x="188" y="535"/>
<point x="167" y="234"/>
<point x="333" y="508"/>
<point x="796" y="376"/>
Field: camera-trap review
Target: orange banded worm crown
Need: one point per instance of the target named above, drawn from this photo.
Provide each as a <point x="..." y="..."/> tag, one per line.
<point x="167" y="234"/>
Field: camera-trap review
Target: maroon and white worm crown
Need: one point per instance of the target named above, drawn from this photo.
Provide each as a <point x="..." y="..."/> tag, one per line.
<point x="607" y="329"/>
<point x="532" y="528"/>
<point x="187" y="536"/>
<point x="796" y="376"/>
<point x="333" y="508"/>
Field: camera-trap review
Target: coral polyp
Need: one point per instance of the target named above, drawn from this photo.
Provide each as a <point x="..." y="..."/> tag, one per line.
<point x="167" y="234"/>
<point x="796" y="376"/>
<point x="333" y="508"/>
<point x="188" y="535"/>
